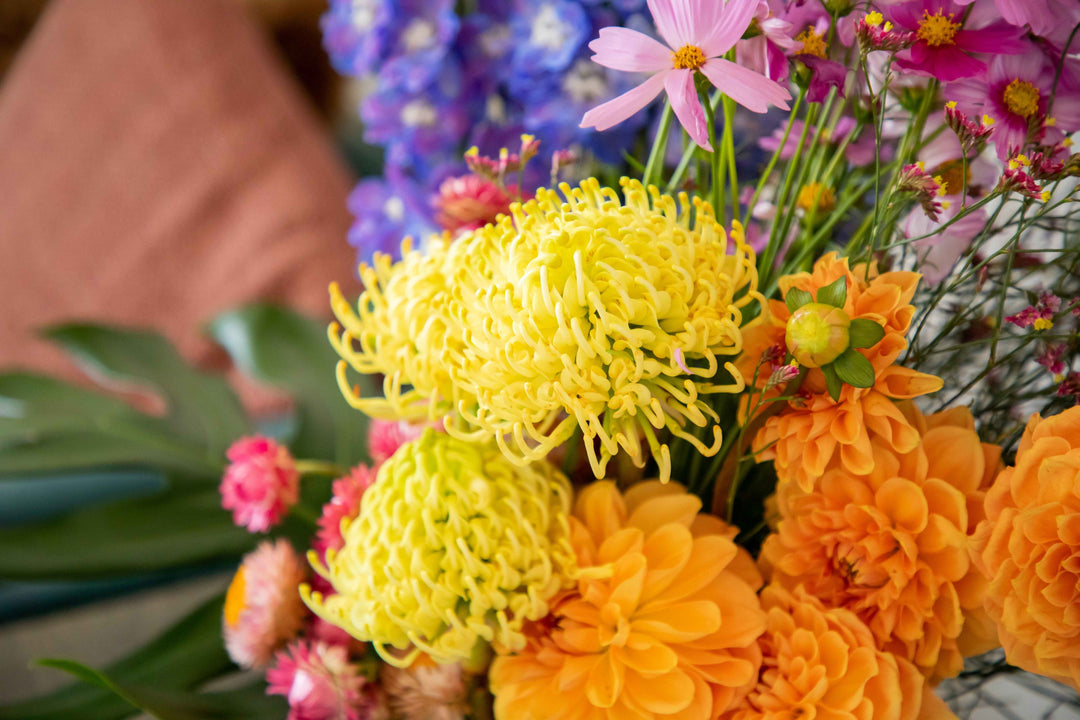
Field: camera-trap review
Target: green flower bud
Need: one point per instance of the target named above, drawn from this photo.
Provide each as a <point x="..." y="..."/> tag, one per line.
<point x="817" y="334"/>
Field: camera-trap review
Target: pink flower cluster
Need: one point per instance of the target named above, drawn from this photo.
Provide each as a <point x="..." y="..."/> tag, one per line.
<point x="1040" y="315"/>
<point x="260" y="484"/>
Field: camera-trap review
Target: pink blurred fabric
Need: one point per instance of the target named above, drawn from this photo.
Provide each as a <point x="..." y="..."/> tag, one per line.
<point x="157" y="166"/>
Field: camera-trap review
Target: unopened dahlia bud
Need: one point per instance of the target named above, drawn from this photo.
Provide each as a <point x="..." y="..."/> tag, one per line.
<point x="817" y="334"/>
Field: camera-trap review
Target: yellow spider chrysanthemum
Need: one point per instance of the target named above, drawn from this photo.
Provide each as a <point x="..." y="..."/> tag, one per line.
<point x="454" y="548"/>
<point x="576" y="311"/>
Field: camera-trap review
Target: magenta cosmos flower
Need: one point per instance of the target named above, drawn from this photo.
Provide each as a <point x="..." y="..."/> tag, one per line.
<point x="1016" y="93"/>
<point x="697" y="32"/>
<point x="944" y="40"/>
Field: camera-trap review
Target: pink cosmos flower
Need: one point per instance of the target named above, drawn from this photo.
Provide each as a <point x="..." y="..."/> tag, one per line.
<point x="321" y="684"/>
<point x="345" y="503"/>
<point x="944" y="40"/>
<point x="263" y="608"/>
<point x="939" y="249"/>
<point x="1044" y="16"/>
<point x="1016" y="93"/>
<point x="697" y="33"/>
<point x="260" y="484"/>
<point x="764" y="52"/>
<point x="385" y="437"/>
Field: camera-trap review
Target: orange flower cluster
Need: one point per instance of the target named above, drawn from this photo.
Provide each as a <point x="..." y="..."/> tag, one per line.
<point x="1029" y="547"/>
<point x="893" y="546"/>
<point x="824" y="662"/>
<point x="662" y="623"/>
<point x="815" y="433"/>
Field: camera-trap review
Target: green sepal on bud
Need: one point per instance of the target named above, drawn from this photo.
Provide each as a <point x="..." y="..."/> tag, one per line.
<point x="820" y="334"/>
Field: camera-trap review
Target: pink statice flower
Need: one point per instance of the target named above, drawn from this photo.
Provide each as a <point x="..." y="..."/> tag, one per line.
<point x="1040" y="315"/>
<point x="386" y="436"/>
<point x="971" y="135"/>
<point x="1053" y="358"/>
<point x="263" y="608"/>
<point x="1070" y="386"/>
<point x="945" y="42"/>
<point x="1015" y="93"/>
<point x="470" y="202"/>
<point x="345" y="504"/>
<point x="321" y="683"/>
<point x="874" y="34"/>
<point x="1017" y="178"/>
<point x="426" y="692"/>
<point x="261" y="483"/>
<point x="697" y="33"/>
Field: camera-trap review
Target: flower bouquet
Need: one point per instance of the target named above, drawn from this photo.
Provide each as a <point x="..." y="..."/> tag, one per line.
<point x="757" y="401"/>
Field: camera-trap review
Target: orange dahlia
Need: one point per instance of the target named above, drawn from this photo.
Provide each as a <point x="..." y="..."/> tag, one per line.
<point x="894" y="546"/>
<point x="814" y="432"/>
<point x="820" y="661"/>
<point x="662" y="623"/>
<point x="1029" y="548"/>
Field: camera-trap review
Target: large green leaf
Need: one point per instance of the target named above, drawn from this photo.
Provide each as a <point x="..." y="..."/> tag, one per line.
<point x="47" y="424"/>
<point x="184" y="657"/>
<point x="175" y="529"/>
<point x="201" y="407"/>
<point x="279" y="347"/>
<point x="249" y="703"/>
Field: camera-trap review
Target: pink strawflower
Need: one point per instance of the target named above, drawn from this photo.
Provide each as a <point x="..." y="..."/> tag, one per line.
<point x="426" y="692"/>
<point x="1015" y="93"/>
<point x="261" y="483"/>
<point x="385" y="437"/>
<point x="944" y="41"/>
<point x="320" y="683"/>
<point x="263" y="609"/>
<point x="318" y="630"/>
<point x="345" y="504"/>
<point x="470" y="202"/>
<point x="1040" y="315"/>
<point x="697" y="33"/>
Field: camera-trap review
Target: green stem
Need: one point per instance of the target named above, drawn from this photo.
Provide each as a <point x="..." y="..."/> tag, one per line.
<point x="655" y="166"/>
<point x="320" y="467"/>
<point x="717" y="169"/>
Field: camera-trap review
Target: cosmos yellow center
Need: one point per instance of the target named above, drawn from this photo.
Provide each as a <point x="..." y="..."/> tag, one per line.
<point x="937" y="29"/>
<point x="952" y="174"/>
<point x="816" y="198"/>
<point x="813" y="43"/>
<point x="1022" y="98"/>
<point x="234" y="598"/>
<point x="688" y="57"/>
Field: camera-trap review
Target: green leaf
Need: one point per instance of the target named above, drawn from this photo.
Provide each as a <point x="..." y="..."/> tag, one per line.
<point x="835" y="293"/>
<point x="287" y="350"/>
<point x="168" y="530"/>
<point x="865" y="333"/>
<point x="201" y="407"/>
<point x="243" y="704"/>
<point x="796" y="298"/>
<point x="832" y="381"/>
<point x="183" y="657"/>
<point x="48" y="425"/>
<point x="854" y="369"/>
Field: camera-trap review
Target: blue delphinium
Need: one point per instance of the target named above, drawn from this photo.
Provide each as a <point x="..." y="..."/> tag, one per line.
<point x="387" y="210"/>
<point x="443" y="83"/>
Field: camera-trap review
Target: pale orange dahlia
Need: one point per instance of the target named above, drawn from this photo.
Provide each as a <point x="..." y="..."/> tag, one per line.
<point x="821" y="662"/>
<point x="813" y="432"/>
<point x="1029" y="547"/>
<point x="662" y="623"/>
<point x="894" y="546"/>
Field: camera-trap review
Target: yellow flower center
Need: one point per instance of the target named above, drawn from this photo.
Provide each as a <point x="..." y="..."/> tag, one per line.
<point x="1043" y="324"/>
<point x="874" y="19"/>
<point x="953" y="176"/>
<point x="817" y="334"/>
<point x="937" y="29"/>
<point x="234" y="598"/>
<point x="688" y="57"/>
<point x="1022" y="98"/>
<point x="816" y="198"/>
<point x="813" y="43"/>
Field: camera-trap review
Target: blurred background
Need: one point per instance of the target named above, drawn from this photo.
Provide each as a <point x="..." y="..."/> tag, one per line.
<point x="162" y="161"/>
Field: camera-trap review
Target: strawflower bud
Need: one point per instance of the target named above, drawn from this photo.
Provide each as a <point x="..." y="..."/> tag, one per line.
<point x="817" y="334"/>
<point x="261" y="483"/>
